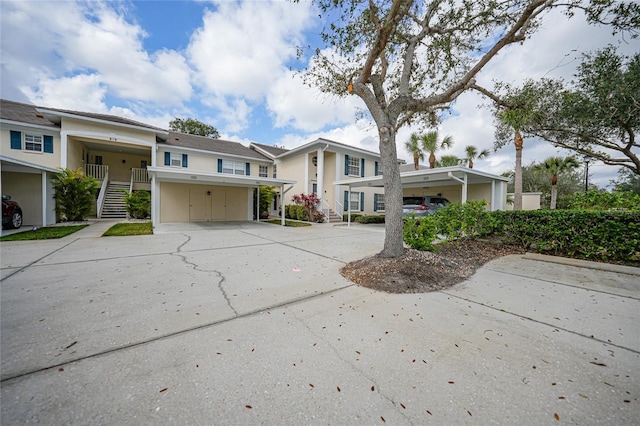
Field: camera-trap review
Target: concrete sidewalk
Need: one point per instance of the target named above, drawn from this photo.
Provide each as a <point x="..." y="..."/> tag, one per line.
<point x="254" y="324"/>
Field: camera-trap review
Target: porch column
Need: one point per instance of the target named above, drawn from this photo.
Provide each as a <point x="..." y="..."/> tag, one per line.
<point x="493" y="195"/>
<point x="63" y="149"/>
<point x="282" y="220"/>
<point x="155" y="201"/>
<point x="320" y="177"/>
<point x="43" y="194"/>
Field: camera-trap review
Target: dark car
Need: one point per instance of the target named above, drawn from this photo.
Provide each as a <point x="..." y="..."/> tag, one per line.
<point x="422" y="205"/>
<point x="11" y="213"/>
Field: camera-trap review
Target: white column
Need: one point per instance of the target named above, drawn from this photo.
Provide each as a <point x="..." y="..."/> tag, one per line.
<point x="282" y="220"/>
<point x="63" y="149"/>
<point x="155" y="201"/>
<point x="320" y="178"/>
<point x="493" y="195"/>
<point x="44" y="197"/>
<point x="464" y="189"/>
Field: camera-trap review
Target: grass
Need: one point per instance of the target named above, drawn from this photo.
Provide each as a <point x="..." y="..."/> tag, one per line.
<point x="288" y="223"/>
<point x="46" y="233"/>
<point x="125" y="229"/>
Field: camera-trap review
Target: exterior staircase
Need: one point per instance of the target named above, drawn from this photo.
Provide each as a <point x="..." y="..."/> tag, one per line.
<point x="114" y="205"/>
<point x="334" y="217"/>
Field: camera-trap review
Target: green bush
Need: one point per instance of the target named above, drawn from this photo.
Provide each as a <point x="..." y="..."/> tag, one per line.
<point x="592" y="235"/>
<point x="463" y="220"/>
<point x="74" y="193"/>
<point x="354" y="216"/>
<point x="138" y="204"/>
<point x="370" y="218"/>
<point x="420" y="234"/>
<point x="301" y="213"/>
<point x="600" y="200"/>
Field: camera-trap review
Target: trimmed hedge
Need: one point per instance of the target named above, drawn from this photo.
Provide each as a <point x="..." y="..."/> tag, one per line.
<point x="370" y="219"/>
<point x="592" y="235"/>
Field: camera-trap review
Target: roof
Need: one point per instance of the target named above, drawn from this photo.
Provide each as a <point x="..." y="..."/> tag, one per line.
<point x="429" y="177"/>
<point x="24" y="113"/>
<point x="202" y="143"/>
<point x="323" y="141"/>
<point x="411" y="167"/>
<point x="51" y="117"/>
<point x="268" y="150"/>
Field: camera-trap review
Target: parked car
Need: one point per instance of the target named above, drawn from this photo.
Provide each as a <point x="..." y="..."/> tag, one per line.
<point x="422" y="205"/>
<point x="11" y="213"/>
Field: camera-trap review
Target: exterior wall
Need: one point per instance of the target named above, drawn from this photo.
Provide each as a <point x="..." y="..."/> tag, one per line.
<point x="120" y="164"/>
<point x="195" y="203"/>
<point x="26" y="190"/>
<point x="292" y="168"/>
<point x="75" y="155"/>
<point x="368" y="207"/>
<point x="41" y="158"/>
<point x="112" y="132"/>
<point x="530" y="201"/>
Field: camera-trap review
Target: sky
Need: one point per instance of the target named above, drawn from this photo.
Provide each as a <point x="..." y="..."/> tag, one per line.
<point x="233" y="64"/>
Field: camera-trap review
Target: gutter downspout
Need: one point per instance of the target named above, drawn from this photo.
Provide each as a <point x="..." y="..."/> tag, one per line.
<point x="463" y="181"/>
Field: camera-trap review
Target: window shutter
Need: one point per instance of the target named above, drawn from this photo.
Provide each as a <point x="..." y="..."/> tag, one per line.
<point x="375" y="199"/>
<point x="16" y="140"/>
<point x="346" y="165"/>
<point x="167" y="158"/>
<point x="219" y="165"/>
<point x="248" y="169"/>
<point x="362" y="167"/>
<point x="375" y="171"/>
<point x="346" y="200"/>
<point x="362" y="201"/>
<point x="184" y="160"/>
<point x="48" y="144"/>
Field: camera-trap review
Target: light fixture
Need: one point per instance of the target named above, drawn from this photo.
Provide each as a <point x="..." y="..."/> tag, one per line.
<point x="314" y="160"/>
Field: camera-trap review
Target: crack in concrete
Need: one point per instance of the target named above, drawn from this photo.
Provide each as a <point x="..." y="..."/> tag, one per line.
<point x="196" y="267"/>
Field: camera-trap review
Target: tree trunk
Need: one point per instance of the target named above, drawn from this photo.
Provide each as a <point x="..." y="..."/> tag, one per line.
<point x="393" y="241"/>
<point x="470" y="164"/>
<point x="517" y="181"/>
<point x="554" y="195"/>
<point x="416" y="162"/>
<point x="432" y="160"/>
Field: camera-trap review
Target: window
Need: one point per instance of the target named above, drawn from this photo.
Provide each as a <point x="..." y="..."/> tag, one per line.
<point x="378" y="169"/>
<point x="233" y="167"/>
<point x="176" y="160"/>
<point x="354" y="166"/>
<point x="33" y="142"/>
<point x="378" y="202"/>
<point x="354" y="202"/>
<point x="263" y="171"/>
<point x="275" y="171"/>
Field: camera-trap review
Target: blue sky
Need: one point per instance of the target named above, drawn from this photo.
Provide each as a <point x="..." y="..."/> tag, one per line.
<point x="232" y="65"/>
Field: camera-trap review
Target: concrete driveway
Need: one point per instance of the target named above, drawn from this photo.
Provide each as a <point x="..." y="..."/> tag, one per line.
<point x="252" y="323"/>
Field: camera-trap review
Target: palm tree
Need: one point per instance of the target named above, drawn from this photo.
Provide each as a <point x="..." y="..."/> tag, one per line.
<point x="515" y="119"/>
<point x="472" y="154"/>
<point x="430" y="144"/>
<point x="448" y="161"/>
<point x="413" y="146"/>
<point x="556" y="165"/>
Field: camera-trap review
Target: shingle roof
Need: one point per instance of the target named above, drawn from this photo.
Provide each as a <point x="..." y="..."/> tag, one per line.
<point x="31" y="114"/>
<point x="186" y="140"/>
<point x="23" y="113"/>
<point x="273" y="150"/>
<point x="411" y="167"/>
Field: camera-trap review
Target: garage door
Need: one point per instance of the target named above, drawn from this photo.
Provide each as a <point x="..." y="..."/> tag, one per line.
<point x="207" y="204"/>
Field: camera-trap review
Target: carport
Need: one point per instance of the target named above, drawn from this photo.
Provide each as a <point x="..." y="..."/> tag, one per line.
<point x="472" y="184"/>
<point x="29" y="185"/>
<point x="208" y="186"/>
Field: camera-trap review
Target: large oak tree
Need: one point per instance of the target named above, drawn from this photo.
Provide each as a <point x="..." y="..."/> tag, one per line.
<point x="407" y="59"/>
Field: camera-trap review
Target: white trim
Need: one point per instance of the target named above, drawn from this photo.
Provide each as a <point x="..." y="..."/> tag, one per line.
<point x="101" y="121"/>
<point x="22" y="125"/>
<point x="163" y="147"/>
<point x="27" y="164"/>
<point x="338" y="147"/>
<point x="165" y="174"/>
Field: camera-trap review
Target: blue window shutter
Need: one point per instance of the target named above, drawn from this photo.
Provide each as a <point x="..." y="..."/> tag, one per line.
<point x="16" y="140"/>
<point x="346" y="200"/>
<point x="362" y="167"/>
<point x="184" y="160"/>
<point x="48" y="144"/>
<point x="362" y="201"/>
<point x="346" y="165"/>
<point x="219" y="165"/>
<point x="167" y="158"/>
<point x="375" y="199"/>
<point x="375" y="169"/>
<point x="248" y="171"/>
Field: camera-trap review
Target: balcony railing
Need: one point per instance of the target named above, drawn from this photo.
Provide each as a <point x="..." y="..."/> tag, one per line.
<point x="98" y="171"/>
<point x="139" y="176"/>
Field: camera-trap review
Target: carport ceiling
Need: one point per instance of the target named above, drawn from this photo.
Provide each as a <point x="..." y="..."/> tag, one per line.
<point x="118" y="147"/>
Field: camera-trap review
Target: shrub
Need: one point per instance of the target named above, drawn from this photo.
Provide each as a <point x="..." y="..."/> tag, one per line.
<point x="463" y="220"/>
<point x="267" y="193"/>
<point x="592" y="235"/>
<point x="138" y="204"/>
<point x="420" y="234"/>
<point x="310" y="203"/>
<point x="354" y="216"/>
<point x="370" y="219"/>
<point x="600" y="200"/>
<point x="301" y="213"/>
<point x="74" y="193"/>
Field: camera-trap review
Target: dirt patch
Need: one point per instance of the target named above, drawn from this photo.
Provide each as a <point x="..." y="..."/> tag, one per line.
<point x="420" y="271"/>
